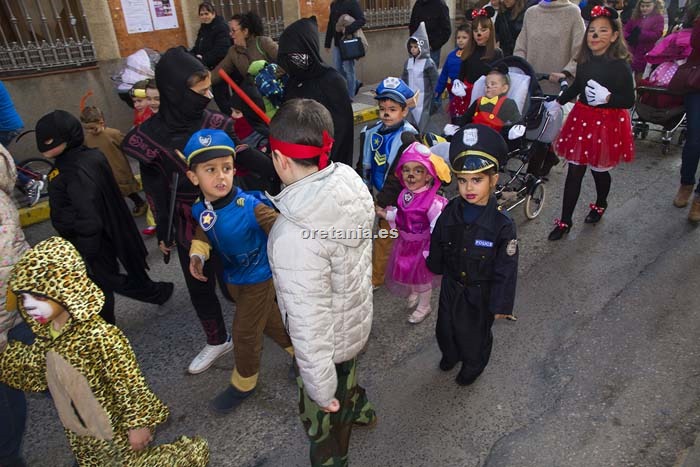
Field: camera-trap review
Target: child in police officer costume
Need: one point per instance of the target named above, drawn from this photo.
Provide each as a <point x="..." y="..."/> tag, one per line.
<point x="235" y="224"/>
<point x="475" y="248"/>
<point x="381" y="150"/>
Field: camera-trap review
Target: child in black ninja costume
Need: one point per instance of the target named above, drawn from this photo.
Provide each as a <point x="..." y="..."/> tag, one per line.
<point x="475" y="248"/>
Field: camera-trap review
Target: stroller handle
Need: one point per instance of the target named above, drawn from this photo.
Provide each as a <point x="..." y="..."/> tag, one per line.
<point x="563" y="85"/>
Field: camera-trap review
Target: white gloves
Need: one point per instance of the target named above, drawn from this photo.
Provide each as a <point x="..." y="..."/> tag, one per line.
<point x="450" y="129"/>
<point x="516" y="131"/>
<point x="596" y="94"/>
<point x="458" y="88"/>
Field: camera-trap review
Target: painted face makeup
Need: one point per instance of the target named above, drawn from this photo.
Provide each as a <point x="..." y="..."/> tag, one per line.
<point x="600" y="35"/>
<point x="415" y="175"/>
<point x="481" y="35"/>
<point x="39" y="308"/>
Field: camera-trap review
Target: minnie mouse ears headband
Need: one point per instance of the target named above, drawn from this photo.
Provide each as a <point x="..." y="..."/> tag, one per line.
<point x="474" y="13"/>
<point x="589" y="14"/>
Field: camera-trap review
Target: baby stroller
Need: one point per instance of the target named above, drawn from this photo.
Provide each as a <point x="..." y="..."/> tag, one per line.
<point x="655" y="103"/>
<point x="541" y="122"/>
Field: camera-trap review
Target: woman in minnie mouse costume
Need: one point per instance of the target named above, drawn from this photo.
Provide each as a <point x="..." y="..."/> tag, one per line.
<point x="598" y="132"/>
<point x="477" y="57"/>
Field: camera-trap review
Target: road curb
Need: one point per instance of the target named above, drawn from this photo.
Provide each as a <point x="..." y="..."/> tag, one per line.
<point x="40" y="211"/>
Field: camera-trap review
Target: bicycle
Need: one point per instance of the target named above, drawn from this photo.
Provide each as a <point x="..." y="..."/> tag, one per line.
<point x="36" y="169"/>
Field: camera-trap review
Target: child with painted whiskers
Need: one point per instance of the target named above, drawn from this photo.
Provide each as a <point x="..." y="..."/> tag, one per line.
<point x="598" y="132"/>
<point x="235" y="224"/>
<point x="418" y="207"/>
<point x="475" y="248"/>
<point x="103" y="401"/>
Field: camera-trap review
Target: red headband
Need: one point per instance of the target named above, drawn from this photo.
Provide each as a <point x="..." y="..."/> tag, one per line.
<point x="479" y="12"/>
<point x="599" y="11"/>
<point x="302" y="151"/>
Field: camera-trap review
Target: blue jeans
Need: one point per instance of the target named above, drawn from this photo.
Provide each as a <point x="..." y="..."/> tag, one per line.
<point x="13" y="408"/>
<point x="347" y="69"/>
<point x="691" y="149"/>
<point x="435" y="55"/>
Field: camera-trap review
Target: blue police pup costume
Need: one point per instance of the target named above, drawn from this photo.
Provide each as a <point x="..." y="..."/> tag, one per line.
<point x="475" y="248"/>
<point x="236" y="226"/>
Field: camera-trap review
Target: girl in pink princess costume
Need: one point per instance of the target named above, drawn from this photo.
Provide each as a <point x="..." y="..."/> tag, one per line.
<point x="419" y="206"/>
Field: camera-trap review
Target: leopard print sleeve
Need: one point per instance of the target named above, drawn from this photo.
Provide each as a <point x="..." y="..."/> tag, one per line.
<point x="24" y="366"/>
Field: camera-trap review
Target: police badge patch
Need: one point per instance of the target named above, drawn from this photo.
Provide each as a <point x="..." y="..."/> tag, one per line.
<point x="407" y="197"/>
<point x="470" y="136"/>
<point x="205" y="140"/>
<point x="207" y="219"/>
<point x="512" y="247"/>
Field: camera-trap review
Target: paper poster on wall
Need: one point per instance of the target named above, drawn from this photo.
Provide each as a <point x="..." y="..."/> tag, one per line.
<point x="163" y="14"/>
<point x="137" y="16"/>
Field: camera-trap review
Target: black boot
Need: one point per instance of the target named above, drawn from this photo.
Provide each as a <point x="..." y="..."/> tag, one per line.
<point x="465" y="377"/>
<point x="446" y="365"/>
<point x="560" y="228"/>
<point x="229" y="399"/>
<point x="595" y="214"/>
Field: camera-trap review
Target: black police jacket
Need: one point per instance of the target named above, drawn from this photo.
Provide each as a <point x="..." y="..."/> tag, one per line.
<point x="481" y="257"/>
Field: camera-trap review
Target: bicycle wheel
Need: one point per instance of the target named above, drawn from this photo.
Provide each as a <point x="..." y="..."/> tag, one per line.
<point x="38" y="169"/>
<point x="535" y="201"/>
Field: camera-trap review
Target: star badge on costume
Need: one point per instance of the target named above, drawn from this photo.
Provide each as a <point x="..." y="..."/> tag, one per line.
<point x="407" y="197"/>
<point x="376" y="142"/>
<point x="207" y="219"/>
<point x="512" y="247"/>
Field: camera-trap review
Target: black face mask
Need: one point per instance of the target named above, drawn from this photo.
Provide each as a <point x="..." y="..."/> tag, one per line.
<point x="193" y="105"/>
<point x="296" y="64"/>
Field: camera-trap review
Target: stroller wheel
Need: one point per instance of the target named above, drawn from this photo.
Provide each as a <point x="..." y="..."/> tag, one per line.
<point x="534" y="201"/>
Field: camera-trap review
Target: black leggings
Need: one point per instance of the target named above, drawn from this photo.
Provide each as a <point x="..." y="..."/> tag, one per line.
<point x="572" y="189"/>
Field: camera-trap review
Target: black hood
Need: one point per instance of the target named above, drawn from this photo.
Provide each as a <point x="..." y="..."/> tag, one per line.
<point x="181" y="109"/>
<point x="58" y="127"/>
<point x="298" y="52"/>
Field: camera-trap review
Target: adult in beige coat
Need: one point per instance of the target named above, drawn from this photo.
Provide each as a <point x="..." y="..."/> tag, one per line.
<point x="551" y="36"/>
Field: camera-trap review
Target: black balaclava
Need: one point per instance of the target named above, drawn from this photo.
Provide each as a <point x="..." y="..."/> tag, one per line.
<point x="181" y="109"/>
<point x="298" y="52"/>
<point x="58" y="127"/>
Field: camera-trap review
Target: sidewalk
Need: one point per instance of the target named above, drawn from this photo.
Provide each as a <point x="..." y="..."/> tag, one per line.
<point x="364" y="110"/>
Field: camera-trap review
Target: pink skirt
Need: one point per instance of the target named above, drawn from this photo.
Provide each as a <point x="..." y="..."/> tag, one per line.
<point x="406" y="270"/>
<point x="600" y="138"/>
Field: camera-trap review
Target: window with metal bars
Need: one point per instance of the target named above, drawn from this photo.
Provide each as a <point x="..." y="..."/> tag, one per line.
<point x="43" y="35"/>
<point x="270" y="11"/>
<point x="386" y="13"/>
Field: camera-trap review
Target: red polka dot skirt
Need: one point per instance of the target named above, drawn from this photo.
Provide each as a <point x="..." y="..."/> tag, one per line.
<point x="598" y="137"/>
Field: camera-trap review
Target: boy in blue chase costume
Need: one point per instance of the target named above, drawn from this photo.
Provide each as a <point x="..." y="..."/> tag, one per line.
<point x="475" y="248"/>
<point x="380" y="153"/>
<point x="236" y="225"/>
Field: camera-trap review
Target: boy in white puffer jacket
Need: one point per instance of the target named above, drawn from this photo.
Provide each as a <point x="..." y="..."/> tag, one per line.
<point x="320" y="252"/>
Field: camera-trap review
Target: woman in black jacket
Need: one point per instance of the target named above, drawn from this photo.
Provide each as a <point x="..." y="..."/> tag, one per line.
<point x="509" y="22"/>
<point x="213" y="41"/>
<point x="333" y="37"/>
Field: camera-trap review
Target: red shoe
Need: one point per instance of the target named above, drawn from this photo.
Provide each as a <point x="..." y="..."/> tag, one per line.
<point x="150" y="230"/>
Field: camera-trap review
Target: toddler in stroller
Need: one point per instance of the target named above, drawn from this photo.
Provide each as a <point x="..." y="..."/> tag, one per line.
<point x="656" y="103"/>
<point x="538" y="127"/>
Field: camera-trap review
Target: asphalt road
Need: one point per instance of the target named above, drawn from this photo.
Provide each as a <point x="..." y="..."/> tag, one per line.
<point x="601" y="369"/>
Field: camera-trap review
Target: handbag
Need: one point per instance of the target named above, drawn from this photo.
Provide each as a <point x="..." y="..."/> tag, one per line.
<point x="351" y="48"/>
<point x="686" y="79"/>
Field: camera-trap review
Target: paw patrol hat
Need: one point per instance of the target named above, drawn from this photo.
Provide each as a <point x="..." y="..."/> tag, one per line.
<point x="394" y="89"/>
<point x="477" y="148"/>
<point x="205" y="145"/>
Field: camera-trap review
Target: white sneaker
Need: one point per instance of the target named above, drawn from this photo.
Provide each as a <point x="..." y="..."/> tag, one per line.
<point x="208" y="355"/>
<point x="33" y="189"/>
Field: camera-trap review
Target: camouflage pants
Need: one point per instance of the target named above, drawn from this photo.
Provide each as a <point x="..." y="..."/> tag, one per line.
<point x="329" y="433"/>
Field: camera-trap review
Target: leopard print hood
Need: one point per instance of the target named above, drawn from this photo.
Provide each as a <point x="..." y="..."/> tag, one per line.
<point x="54" y="269"/>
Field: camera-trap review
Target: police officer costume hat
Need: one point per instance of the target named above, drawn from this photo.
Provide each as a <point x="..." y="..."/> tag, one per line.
<point x="477" y="148"/>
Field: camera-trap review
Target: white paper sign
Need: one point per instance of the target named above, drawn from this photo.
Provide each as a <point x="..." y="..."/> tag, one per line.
<point x="163" y="14"/>
<point x="136" y="16"/>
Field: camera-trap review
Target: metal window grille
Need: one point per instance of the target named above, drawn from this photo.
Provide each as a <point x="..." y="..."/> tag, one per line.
<point x="37" y="36"/>
<point x="270" y="11"/>
<point x="386" y="13"/>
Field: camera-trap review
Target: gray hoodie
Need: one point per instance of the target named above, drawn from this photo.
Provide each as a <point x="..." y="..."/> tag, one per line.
<point x="420" y="73"/>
